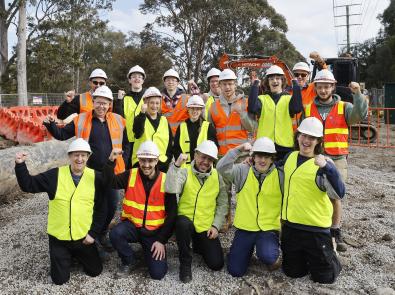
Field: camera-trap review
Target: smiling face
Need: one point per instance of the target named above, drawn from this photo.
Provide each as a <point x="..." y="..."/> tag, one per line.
<point x="325" y="91"/>
<point x="95" y="83"/>
<point x="147" y="166"/>
<point x="302" y="77"/>
<point x="307" y="144"/>
<point x="214" y="85"/>
<point x="136" y="81"/>
<point x="228" y="88"/>
<point x="262" y="162"/>
<point x="275" y="83"/>
<point x="194" y="113"/>
<point x="101" y="106"/>
<point x="153" y="105"/>
<point x="203" y="163"/>
<point x="171" y="84"/>
<point x="78" y="161"/>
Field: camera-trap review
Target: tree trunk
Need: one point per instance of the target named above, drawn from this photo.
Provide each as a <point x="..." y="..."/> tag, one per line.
<point x="21" y="55"/>
<point x="3" y="43"/>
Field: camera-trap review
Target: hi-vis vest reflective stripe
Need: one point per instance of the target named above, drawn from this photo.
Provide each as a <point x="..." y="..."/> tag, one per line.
<point x="230" y="132"/>
<point x="185" y="141"/>
<point x="70" y="212"/>
<point x="178" y="114"/>
<point x="275" y="121"/>
<point x="150" y="214"/>
<point x="160" y="137"/>
<point x="303" y="202"/>
<point x="198" y="202"/>
<point x="209" y="102"/>
<point x="116" y="125"/>
<point x="335" y="128"/>
<point x="86" y="102"/>
<point x="258" y="207"/>
<point x="131" y="110"/>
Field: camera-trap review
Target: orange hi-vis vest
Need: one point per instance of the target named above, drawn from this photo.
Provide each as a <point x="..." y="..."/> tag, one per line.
<point x="335" y="128"/>
<point x="86" y="102"/>
<point x="116" y="124"/>
<point x="230" y="132"/>
<point x="308" y="95"/>
<point x="150" y="213"/>
<point x="176" y="115"/>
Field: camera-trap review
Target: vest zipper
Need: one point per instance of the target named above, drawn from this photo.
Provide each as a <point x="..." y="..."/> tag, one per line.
<point x="145" y="209"/>
<point x="257" y="206"/>
<point x="197" y="196"/>
<point x="289" y="185"/>
<point x="71" y="199"/>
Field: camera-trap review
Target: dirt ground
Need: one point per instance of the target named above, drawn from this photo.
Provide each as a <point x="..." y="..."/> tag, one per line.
<point x="368" y="265"/>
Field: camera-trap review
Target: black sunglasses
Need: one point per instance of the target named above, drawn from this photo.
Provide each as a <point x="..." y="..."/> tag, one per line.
<point x="300" y="75"/>
<point x="99" y="83"/>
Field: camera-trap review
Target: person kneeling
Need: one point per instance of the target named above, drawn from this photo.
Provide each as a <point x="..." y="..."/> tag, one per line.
<point x="257" y="216"/>
<point x="202" y="208"/>
<point x="76" y="210"/>
<point x="148" y="213"/>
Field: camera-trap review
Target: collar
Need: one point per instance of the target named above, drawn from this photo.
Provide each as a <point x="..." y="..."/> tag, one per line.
<point x="200" y="175"/>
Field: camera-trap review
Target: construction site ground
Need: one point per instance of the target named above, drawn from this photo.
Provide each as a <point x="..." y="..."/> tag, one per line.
<point x="368" y="265"/>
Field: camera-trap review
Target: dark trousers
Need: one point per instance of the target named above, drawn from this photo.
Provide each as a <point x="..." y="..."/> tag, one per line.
<point x="124" y="233"/>
<point x="61" y="254"/>
<point x="267" y="250"/>
<point x="309" y="252"/>
<point x="210" y="249"/>
<point x="112" y="197"/>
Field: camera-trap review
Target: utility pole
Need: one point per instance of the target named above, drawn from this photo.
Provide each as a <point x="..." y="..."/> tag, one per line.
<point x="347" y="25"/>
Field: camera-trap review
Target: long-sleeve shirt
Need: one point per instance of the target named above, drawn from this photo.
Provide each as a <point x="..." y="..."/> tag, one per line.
<point x="48" y="181"/>
<point x="176" y="179"/>
<point x="99" y="141"/>
<point x="68" y="108"/>
<point x="139" y="128"/>
<point x="118" y="104"/>
<point x="193" y="132"/>
<point x="121" y="181"/>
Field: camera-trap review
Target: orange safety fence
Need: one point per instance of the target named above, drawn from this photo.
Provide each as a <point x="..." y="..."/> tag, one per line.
<point x="24" y="124"/>
<point x="378" y="131"/>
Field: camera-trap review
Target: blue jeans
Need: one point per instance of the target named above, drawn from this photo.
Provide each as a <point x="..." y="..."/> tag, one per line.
<point x="267" y="250"/>
<point x="124" y="233"/>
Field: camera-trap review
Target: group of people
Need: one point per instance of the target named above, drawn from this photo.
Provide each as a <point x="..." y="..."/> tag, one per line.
<point x="180" y="156"/>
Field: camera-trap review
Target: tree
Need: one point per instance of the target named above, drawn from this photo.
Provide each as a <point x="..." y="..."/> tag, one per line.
<point x="21" y="54"/>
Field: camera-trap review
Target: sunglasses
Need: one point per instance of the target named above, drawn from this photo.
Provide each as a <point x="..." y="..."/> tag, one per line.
<point x="98" y="83"/>
<point x="303" y="75"/>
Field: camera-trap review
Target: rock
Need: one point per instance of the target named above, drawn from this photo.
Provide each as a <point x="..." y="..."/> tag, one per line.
<point x="385" y="291"/>
<point x="387" y="238"/>
<point x="352" y="242"/>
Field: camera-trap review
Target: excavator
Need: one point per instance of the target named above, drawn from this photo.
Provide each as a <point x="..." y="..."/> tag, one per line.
<point x="345" y="70"/>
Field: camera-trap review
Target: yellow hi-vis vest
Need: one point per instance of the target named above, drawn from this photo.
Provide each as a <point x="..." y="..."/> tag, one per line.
<point x="275" y="121"/>
<point x="304" y="202"/>
<point x="185" y="141"/>
<point x="131" y="110"/>
<point x="160" y="137"/>
<point x="198" y="202"/>
<point x="259" y="206"/>
<point x="70" y="213"/>
<point x="209" y="102"/>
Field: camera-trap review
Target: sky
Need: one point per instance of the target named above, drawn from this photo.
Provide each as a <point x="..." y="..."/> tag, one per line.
<point x="311" y="23"/>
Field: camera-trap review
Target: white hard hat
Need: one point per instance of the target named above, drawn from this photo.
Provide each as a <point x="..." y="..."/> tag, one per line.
<point x="171" y="73"/>
<point x="227" y="74"/>
<point x="213" y="72"/>
<point x="152" y="92"/>
<point x="79" y="145"/>
<point x="301" y="66"/>
<point x="148" y="149"/>
<point x="195" y="101"/>
<point x="264" y="145"/>
<point x="98" y="73"/>
<point x="208" y="148"/>
<point x="311" y="126"/>
<point x="274" y="70"/>
<point x="103" y="91"/>
<point x="324" y="76"/>
<point x="136" y="69"/>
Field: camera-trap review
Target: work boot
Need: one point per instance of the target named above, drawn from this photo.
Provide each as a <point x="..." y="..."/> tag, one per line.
<point x="105" y="242"/>
<point x="124" y="270"/>
<point x="340" y="245"/>
<point x="185" y="274"/>
<point x="276" y="265"/>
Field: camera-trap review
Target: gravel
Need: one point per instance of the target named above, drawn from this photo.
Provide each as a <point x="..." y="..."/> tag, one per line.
<point x="368" y="268"/>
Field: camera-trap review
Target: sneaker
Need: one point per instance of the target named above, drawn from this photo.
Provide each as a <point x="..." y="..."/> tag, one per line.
<point x="185" y="274"/>
<point x="340" y="245"/>
<point x="124" y="270"/>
